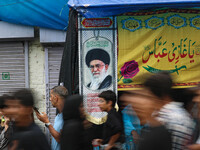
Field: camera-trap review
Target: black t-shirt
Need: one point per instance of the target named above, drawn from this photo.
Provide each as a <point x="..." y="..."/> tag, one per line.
<point x="72" y="137"/>
<point x="112" y="126"/>
<point x="155" y="138"/>
<point x="29" y="138"/>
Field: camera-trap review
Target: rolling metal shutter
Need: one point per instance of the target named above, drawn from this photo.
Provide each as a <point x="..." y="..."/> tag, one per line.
<point x="53" y="58"/>
<point x="12" y="66"/>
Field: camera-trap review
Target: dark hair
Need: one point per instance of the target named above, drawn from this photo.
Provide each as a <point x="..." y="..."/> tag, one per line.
<point x="71" y="108"/>
<point x="195" y="88"/>
<point x="109" y="96"/>
<point x="60" y="90"/>
<point x="3" y="98"/>
<point x="159" y="84"/>
<point x="184" y="95"/>
<point x="25" y="97"/>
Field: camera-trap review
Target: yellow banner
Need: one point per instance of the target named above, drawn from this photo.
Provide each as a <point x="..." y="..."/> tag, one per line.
<point x="163" y="40"/>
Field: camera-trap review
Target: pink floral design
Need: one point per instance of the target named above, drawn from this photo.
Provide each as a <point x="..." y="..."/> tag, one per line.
<point x="129" y="69"/>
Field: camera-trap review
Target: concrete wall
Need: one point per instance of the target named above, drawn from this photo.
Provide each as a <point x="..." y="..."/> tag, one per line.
<point x="37" y="74"/>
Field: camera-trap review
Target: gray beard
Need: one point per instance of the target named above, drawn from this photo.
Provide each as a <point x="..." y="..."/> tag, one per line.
<point x="97" y="80"/>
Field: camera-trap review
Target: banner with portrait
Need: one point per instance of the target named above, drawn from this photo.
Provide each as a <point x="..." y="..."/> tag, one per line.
<point x="97" y="65"/>
<point x="159" y="40"/>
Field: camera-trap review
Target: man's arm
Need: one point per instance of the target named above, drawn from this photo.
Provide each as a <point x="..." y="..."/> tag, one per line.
<point x="194" y="147"/>
<point x="54" y="133"/>
<point x="44" y="119"/>
<point x="130" y="119"/>
<point x="112" y="141"/>
<point x="128" y="126"/>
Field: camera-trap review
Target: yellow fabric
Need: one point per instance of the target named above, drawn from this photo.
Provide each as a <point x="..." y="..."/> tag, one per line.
<point x="166" y="41"/>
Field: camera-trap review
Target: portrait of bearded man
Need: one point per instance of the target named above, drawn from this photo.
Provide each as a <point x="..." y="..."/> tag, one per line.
<point x="98" y="61"/>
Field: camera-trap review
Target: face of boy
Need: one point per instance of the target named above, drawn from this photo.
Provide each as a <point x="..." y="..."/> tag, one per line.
<point x="104" y="105"/>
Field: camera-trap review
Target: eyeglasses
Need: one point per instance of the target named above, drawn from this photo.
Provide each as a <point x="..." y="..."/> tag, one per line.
<point x="95" y="66"/>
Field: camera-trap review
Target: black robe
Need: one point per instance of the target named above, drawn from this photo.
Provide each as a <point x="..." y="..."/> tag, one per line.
<point x="105" y="83"/>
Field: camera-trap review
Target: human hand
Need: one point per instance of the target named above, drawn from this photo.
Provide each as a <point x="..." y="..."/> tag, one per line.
<point x="42" y="117"/>
<point x="97" y="142"/>
<point x="194" y="147"/>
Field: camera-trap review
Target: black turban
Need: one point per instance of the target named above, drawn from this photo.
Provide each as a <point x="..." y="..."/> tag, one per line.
<point x="97" y="54"/>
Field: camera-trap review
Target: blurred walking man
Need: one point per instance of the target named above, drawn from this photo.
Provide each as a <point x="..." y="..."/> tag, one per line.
<point x="171" y="112"/>
<point x="27" y="135"/>
<point x="57" y="97"/>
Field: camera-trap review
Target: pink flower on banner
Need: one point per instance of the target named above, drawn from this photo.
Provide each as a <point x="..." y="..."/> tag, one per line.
<point x="129" y="69"/>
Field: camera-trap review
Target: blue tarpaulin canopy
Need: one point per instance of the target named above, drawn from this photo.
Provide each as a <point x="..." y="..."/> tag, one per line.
<point x="104" y="8"/>
<point x="43" y="13"/>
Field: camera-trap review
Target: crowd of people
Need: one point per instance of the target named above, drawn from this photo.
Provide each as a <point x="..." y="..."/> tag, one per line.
<point x="164" y="114"/>
<point x="157" y="117"/>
